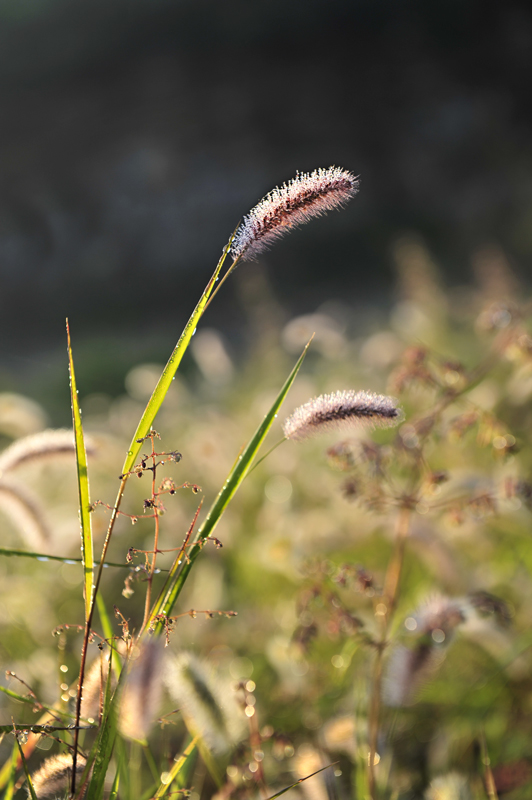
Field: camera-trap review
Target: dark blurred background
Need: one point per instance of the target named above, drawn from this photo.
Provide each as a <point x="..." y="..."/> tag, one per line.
<point x="136" y="133"/>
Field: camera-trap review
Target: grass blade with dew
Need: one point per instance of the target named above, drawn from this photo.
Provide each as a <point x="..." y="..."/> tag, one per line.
<point x="176" y="769"/>
<point x="87" y="550"/>
<point x="31" y="790"/>
<point x="8" y="551"/>
<point x="179" y="572"/>
<point x="165" y="381"/>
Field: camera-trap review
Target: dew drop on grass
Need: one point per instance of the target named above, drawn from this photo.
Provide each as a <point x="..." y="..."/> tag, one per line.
<point x="42" y="558"/>
<point x="69" y="561"/>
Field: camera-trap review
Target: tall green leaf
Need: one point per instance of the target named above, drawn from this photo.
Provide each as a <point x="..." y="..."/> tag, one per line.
<point x="179" y="572"/>
<point x="165" y="381"/>
<point x="31" y="790"/>
<point x="176" y="769"/>
<point x="87" y="552"/>
<point x="13" y="773"/>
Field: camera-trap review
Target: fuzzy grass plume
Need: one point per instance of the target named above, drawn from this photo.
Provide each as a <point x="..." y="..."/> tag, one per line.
<point x="409" y="668"/>
<point x="44" y="445"/>
<point x="142" y="692"/>
<point x="207" y="702"/>
<point x="339" y="411"/>
<point x="53" y="778"/>
<point x="308" y="195"/>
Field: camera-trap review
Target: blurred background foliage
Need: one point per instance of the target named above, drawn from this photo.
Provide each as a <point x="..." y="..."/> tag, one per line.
<point x="308" y="538"/>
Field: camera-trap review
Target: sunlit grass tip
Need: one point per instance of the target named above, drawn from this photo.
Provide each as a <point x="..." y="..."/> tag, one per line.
<point x="308" y="195"/>
<point x="340" y="411"/>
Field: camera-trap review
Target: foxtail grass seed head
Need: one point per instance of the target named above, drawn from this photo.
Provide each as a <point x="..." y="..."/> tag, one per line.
<point x="142" y="693"/>
<point x="94" y="687"/>
<point x="409" y="668"/>
<point x="308" y="195"/>
<point x="49" y="444"/>
<point x="340" y="411"/>
<point x="26" y="513"/>
<point x="452" y="786"/>
<point x="207" y="702"/>
<point x="54" y="777"/>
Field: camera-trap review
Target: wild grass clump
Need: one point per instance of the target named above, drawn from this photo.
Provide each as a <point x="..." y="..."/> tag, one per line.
<point x="354" y="624"/>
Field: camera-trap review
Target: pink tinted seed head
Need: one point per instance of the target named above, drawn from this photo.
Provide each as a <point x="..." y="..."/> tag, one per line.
<point x="308" y="195"/>
<point x="341" y="410"/>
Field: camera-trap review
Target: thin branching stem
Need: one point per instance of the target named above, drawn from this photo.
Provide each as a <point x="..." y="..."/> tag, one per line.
<point x="147" y="605"/>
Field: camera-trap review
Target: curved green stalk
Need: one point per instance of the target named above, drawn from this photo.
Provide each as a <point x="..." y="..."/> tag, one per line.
<point x="165" y="381"/>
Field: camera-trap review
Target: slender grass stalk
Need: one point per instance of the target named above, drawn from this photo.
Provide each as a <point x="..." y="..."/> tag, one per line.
<point x="147" y="604"/>
<point x="491" y="789"/>
<point x="267" y="453"/>
<point x="389" y="600"/>
<point x="301" y="780"/>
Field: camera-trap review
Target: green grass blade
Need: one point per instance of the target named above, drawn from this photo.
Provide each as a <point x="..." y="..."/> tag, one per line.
<point x="13" y="774"/>
<point x="108" y="632"/>
<point x="107" y="628"/>
<point x="26" y="770"/>
<point x="87" y="552"/>
<point x="179" y="573"/>
<point x="8" y="551"/>
<point x="116" y="785"/>
<point x="31" y="701"/>
<point x="42" y="728"/>
<point x="176" y="769"/>
<point x="103" y="747"/>
<point x="165" y="381"/>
